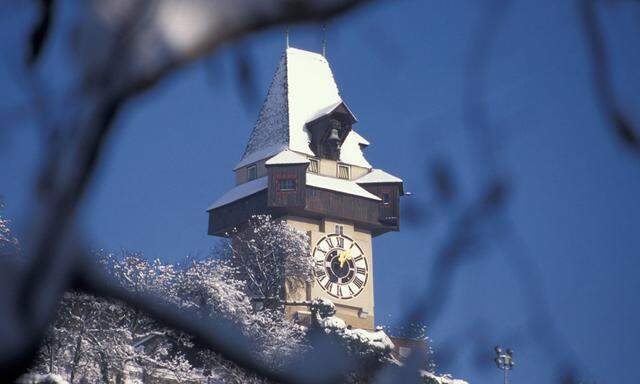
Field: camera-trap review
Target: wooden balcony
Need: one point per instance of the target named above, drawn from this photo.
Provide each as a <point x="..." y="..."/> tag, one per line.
<point x="309" y="201"/>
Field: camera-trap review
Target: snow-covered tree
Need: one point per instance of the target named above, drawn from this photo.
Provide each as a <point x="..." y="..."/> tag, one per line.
<point x="102" y="341"/>
<point x="212" y="287"/>
<point x="36" y="378"/>
<point x="367" y="344"/>
<point x="97" y="340"/>
<point x="269" y="253"/>
<point x="373" y="347"/>
<point x="88" y="339"/>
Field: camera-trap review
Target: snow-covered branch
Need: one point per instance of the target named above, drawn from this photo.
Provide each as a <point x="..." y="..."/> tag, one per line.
<point x="266" y="251"/>
<point x="123" y="49"/>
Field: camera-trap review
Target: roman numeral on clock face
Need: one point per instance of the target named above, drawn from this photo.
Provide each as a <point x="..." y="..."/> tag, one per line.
<point x="341" y="274"/>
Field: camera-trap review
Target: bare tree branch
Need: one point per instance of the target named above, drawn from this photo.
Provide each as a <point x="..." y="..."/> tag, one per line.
<point x="68" y="171"/>
<point x="619" y="120"/>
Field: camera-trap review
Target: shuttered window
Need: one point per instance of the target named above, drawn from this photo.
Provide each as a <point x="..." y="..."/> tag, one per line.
<point x="314" y="165"/>
<point x="252" y="172"/>
<point x="287" y="184"/>
<point x="343" y="171"/>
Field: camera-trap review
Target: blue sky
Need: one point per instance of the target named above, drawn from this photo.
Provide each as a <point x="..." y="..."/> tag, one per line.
<point x="573" y="202"/>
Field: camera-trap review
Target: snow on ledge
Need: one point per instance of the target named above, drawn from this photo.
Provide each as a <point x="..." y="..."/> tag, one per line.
<point x="240" y="191"/>
<point x="351" y="151"/>
<point x="359" y="139"/>
<point x="378" y="176"/>
<point x="330" y="108"/>
<point x="287" y="157"/>
<point x="339" y="185"/>
<point x="444" y="379"/>
<point x="260" y="155"/>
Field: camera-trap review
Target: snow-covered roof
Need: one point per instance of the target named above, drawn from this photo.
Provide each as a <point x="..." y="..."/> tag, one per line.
<point x="378" y="176"/>
<point x="302" y="89"/>
<point x="358" y="139"/>
<point x="287" y="157"/>
<point x="339" y="185"/>
<point x="330" y="108"/>
<point x="260" y="154"/>
<point x="240" y="191"/>
<point x="351" y="150"/>
<point x="444" y="379"/>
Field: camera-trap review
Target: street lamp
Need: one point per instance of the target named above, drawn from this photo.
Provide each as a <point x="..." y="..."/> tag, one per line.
<point x="504" y="361"/>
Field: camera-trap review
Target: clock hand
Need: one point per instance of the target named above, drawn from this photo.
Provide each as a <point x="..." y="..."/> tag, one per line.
<point x="344" y="256"/>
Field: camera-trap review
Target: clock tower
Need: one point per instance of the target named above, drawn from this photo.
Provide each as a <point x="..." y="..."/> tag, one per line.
<point x="304" y="163"/>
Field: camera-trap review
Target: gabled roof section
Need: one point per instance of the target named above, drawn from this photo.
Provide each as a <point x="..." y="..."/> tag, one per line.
<point x="378" y="176"/>
<point x="351" y="151"/>
<point x="339" y="106"/>
<point x="287" y="157"/>
<point x="303" y="87"/>
<point x="339" y="185"/>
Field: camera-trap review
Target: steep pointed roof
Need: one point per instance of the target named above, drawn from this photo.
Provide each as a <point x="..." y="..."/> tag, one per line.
<point x="303" y="88"/>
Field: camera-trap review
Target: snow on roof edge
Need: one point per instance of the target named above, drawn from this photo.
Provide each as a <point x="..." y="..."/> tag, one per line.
<point x="359" y="139"/>
<point x="311" y="87"/>
<point x="240" y="191"/>
<point x="339" y="185"/>
<point x="351" y="151"/>
<point x="378" y="176"/>
<point x="287" y="157"/>
<point x="260" y="155"/>
<point x="330" y="108"/>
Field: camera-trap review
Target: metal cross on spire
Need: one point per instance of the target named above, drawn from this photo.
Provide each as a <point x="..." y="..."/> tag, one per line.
<point x="286" y="34"/>
<point x="324" y="40"/>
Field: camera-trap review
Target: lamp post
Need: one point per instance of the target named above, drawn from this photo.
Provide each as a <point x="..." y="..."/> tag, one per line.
<point x="504" y="361"/>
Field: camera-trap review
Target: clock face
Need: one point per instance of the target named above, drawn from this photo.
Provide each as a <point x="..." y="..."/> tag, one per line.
<point x="340" y="266"/>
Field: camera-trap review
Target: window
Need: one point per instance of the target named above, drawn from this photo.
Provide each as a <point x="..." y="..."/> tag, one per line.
<point x="314" y="165"/>
<point x="287" y="184"/>
<point x="252" y="172"/>
<point x="339" y="230"/>
<point x="343" y="171"/>
<point x="385" y="198"/>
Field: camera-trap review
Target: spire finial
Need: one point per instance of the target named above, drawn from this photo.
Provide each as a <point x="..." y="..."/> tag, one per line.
<point x="286" y="34"/>
<point x="324" y="40"/>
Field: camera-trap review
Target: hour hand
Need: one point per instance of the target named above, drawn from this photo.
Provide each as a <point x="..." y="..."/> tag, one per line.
<point x="344" y="256"/>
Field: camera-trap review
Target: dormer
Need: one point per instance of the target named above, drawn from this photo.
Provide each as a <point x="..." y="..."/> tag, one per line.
<point x="330" y="129"/>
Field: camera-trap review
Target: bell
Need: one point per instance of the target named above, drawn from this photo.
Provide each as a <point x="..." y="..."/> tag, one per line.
<point x="334" y="135"/>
